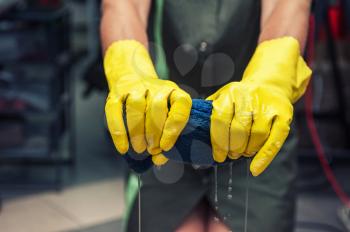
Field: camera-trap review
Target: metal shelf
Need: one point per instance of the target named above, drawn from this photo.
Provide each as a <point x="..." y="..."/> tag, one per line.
<point x="42" y="116"/>
<point x="61" y="60"/>
<point x="28" y="154"/>
<point x="53" y="144"/>
<point x="37" y="15"/>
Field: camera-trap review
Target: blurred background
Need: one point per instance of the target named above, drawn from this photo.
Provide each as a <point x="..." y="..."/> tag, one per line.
<point x="58" y="168"/>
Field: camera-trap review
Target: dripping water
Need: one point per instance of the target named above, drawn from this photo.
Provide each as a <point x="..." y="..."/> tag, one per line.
<point x="139" y="200"/>
<point x="216" y="186"/>
<point x="229" y="188"/>
<point x="246" y="197"/>
<point x="216" y="219"/>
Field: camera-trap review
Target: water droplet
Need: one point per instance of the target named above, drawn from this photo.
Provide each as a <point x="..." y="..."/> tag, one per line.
<point x="229" y="188"/>
<point x="246" y="197"/>
<point x="224" y="218"/>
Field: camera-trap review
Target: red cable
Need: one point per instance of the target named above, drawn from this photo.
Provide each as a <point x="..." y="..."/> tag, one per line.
<point x="344" y="198"/>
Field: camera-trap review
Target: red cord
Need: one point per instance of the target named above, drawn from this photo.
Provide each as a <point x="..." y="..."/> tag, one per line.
<point x="344" y="198"/>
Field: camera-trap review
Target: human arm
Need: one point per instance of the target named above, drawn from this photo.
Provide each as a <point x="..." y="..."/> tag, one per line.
<point x="156" y="110"/>
<point x="280" y="18"/>
<point x="124" y="20"/>
<point x="252" y="117"/>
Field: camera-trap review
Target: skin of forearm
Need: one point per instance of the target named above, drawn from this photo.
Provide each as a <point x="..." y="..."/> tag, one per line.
<point x="123" y="20"/>
<point x="285" y="18"/>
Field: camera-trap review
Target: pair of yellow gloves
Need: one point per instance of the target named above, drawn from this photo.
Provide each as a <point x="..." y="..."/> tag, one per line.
<point x="250" y="118"/>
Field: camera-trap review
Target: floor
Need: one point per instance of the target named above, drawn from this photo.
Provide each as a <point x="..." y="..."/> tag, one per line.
<point x="92" y="198"/>
<point x="92" y="193"/>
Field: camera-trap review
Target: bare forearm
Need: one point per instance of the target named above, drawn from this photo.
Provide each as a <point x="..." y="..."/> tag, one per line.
<point x="124" y="20"/>
<point x="285" y="18"/>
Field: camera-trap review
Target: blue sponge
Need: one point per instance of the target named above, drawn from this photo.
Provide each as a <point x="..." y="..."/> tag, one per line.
<point x="193" y="146"/>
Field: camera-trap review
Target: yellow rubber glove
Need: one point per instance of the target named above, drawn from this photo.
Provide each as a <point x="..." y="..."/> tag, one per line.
<point x="156" y="110"/>
<point x="253" y="116"/>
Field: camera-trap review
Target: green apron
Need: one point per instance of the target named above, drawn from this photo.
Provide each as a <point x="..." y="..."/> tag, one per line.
<point x="198" y="38"/>
<point x="208" y="43"/>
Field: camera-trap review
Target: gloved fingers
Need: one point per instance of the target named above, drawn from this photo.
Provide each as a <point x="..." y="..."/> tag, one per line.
<point x="179" y="113"/>
<point x="260" y="131"/>
<point x="221" y="117"/>
<point x="115" y="122"/>
<point x="278" y="135"/>
<point x="135" y="117"/>
<point x="156" y="115"/>
<point x="159" y="159"/>
<point x="234" y="155"/>
<point x="240" y="126"/>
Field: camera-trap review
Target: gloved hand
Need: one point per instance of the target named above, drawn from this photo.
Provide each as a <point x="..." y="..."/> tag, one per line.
<point x="156" y="110"/>
<point x="253" y="116"/>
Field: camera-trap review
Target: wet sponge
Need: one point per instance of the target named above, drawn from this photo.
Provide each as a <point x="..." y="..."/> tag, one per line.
<point x="193" y="146"/>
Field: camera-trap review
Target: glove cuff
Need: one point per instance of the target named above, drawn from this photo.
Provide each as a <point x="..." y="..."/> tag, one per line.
<point x="278" y="63"/>
<point x="127" y="57"/>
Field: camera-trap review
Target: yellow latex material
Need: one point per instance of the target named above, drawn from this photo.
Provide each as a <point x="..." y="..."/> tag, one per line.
<point x="156" y="110"/>
<point x="252" y="117"/>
